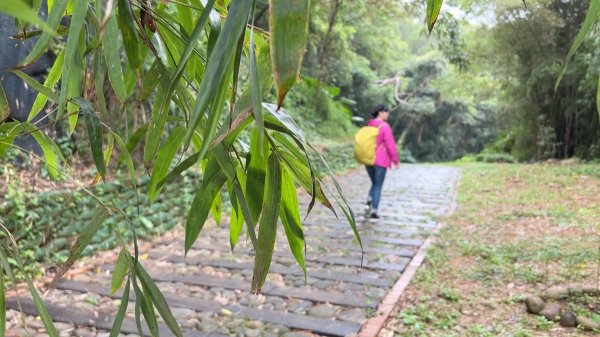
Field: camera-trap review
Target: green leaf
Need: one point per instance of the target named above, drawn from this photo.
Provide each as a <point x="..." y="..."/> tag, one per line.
<point x="157" y="125"/>
<point x="130" y="38"/>
<point x="164" y="159"/>
<point x="48" y="147"/>
<point x="124" y="153"/>
<point x="256" y="92"/>
<point x="268" y="224"/>
<point x="54" y="16"/>
<point x="158" y="300"/>
<point x="290" y="217"/>
<point x="236" y="222"/>
<point x="99" y="81"/>
<point x="119" y="273"/>
<point x="43" y="90"/>
<point x="302" y="174"/>
<point x="85" y="237"/>
<point x="187" y="52"/>
<point x="8" y="133"/>
<point x="20" y="10"/>
<point x="200" y="207"/>
<point x="597" y="98"/>
<point x="39" y="303"/>
<point x="288" y="22"/>
<point x="216" y="69"/>
<point x="94" y="130"/>
<point x="433" y="10"/>
<point x="286" y="120"/>
<point x="73" y="40"/>
<point x="75" y="85"/>
<point x="591" y="19"/>
<point x="51" y="80"/>
<point x="4" y="108"/>
<point x="257" y="170"/>
<point x="145" y="304"/>
<point x="112" y="56"/>
<point x="116" y="328"/>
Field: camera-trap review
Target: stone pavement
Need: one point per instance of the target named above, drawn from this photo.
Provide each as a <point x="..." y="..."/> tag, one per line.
<point x="208" y="291"/>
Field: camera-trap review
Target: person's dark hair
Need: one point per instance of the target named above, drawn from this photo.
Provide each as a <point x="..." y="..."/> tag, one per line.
<point x="377" y="110"/>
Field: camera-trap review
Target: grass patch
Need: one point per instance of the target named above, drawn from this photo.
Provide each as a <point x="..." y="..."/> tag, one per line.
<point x="517" y="230"/>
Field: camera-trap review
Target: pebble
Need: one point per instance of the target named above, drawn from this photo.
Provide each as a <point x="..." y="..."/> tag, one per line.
<point x="322" y="310"/>
<point x="551" y="311"/>
<point x="568" y="319"/>
<point x="588" y="323"/>
<point x="353" y="315"/>
<point x="534" y="304"/>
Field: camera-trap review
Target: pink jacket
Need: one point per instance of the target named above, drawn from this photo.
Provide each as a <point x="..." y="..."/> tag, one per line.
<point x="386" y="152"/>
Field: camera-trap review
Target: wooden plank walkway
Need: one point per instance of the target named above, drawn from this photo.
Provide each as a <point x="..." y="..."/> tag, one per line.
<point x="208" y="291"/>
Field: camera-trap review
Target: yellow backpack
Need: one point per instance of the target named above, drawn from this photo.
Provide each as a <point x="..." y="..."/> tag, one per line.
<point x="365" y="144"/>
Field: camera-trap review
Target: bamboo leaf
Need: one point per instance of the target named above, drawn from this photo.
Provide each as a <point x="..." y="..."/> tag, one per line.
<point x="116" y="328"/>
<point x="157" y="125"/>
<point x="284" y="118"/>
<point x="51" y="80"/>
<point x="124" y="153"/>
<point x="8" y="133"/>
<point x="55" y="14"/>
<point x="201" y="207"/>
<point x="43" y="90"/>
<point x="73" y="40"/>
<point x="112" y="47"/>
<point x="99" y="81"/>
<point x="598" y="98"/>
<point x="433" y="10"/>
<point x="20" y="10"/>
<point x="75" y="85"/>
<point x="4" y="108"/>
<point x="344" y="202"/>
<point x="48" y="147"/>
<point x="268" y="224"/>
<point x="256" y="92"/>
<point x="144" y="304"/>
<point x="158" y="300"/>
<point x="257" y="170"/>
<point x="288" y="22"/>
<point x="187" y="52"/>
<point x="85" y="237"/>
<point x="119" y="273"/>
<point x="37" y="300"/>
<point x="590" y="20"/>
<point x="216" y="70"/>
<point x="290" y="217"/>
<point x="164" y="159"/>
<point x="130" y="38"/>
<point x="94" y="130"/>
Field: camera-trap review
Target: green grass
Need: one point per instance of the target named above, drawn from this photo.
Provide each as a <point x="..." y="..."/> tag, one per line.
<point x="517" y="229"/>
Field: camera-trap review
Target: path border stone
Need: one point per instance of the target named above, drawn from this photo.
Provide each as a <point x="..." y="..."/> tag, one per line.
<point x="374" y="324"/>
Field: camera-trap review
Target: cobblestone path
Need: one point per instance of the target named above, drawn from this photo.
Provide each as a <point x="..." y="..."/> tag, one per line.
<point x="208" y="291"/>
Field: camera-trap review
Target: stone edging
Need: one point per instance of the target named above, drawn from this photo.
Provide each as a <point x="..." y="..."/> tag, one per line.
<point x="374" y="324"/>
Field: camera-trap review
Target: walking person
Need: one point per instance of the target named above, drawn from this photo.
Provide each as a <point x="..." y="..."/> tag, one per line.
<point x="385" y="155"/>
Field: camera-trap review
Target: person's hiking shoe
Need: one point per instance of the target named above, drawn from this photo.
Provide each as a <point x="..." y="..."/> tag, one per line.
<point x="367" y="207"/>
<point x="373" y="217"/>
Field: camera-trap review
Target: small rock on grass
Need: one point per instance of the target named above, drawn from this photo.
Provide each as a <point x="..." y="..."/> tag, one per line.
<point x="551" y="311"/>
<point x="588" y="323"/>
<point x="534" y="304"/>
<point x="556" y="293"/>
<point x="568" y="319"/>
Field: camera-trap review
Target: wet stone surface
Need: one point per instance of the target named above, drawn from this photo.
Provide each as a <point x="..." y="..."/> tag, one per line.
<point x="209" y="290"/>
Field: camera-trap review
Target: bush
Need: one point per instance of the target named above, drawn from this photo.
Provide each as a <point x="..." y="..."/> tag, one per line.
<point x="495" y="158"/>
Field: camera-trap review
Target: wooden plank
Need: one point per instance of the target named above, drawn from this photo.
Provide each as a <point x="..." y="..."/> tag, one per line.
<point x="295" y="321"/>
<point x="268" y="289"/>
<point x="88" y="318"/>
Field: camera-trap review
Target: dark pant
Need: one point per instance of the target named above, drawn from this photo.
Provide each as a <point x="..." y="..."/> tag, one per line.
<point x="377" y="175"/>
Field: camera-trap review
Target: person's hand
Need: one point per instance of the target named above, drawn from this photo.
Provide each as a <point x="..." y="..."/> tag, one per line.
<point x="397" y="166"/>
